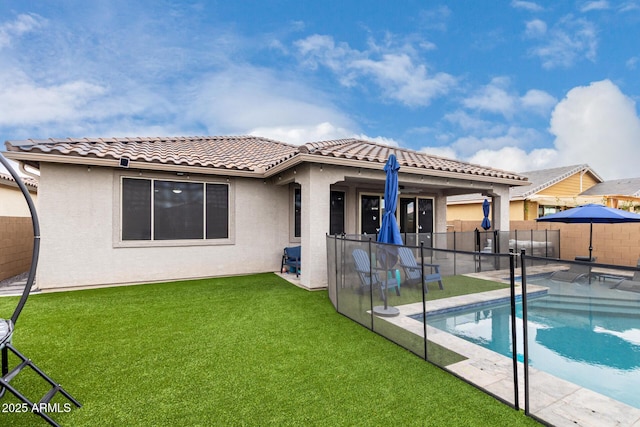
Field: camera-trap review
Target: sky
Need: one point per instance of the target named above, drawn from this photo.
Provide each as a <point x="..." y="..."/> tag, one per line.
<point x="512" y="84"/>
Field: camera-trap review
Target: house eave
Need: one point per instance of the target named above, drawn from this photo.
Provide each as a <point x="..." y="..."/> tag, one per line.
<point x="133" y="164"/>
<point x="362" y="164"/>
<point x="296" y="160"/>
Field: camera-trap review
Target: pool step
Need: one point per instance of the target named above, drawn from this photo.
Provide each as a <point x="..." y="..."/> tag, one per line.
<point x="574" y="303"/>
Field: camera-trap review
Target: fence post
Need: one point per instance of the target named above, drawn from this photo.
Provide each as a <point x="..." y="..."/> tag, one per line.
<point x="370" y="283"/>
<point x="454" y="252"/>
<point x="335" y="260"/>
<point x="546" y="243"/>
<point x="525" y="335"/>
<point x="514" y="335"/>
<point x="424" y="298"/>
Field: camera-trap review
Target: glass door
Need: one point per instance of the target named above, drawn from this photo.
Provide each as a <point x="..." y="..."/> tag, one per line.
<point x="370" y="214"/>
<point x="407" y="215"/>
<point x="336" y="213"/>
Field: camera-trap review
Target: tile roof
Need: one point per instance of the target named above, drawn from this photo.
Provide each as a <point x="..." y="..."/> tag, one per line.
<point x="29" y="182"/>
<point x="356" y="149"/>
<point x="618" y="187"/>
<point x="544" y="178"/>
<point x="246" y="153"/>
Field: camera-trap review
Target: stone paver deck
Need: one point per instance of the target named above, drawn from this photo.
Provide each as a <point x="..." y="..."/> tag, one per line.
<point x="552" y="399"/>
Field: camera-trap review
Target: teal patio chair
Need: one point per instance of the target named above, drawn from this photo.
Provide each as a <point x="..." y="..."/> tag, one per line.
<point x="371" y="275"/>
<point x="413" y="271"/>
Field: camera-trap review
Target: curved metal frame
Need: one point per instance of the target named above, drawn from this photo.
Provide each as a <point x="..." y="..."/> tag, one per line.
<point x="36" y="238"/>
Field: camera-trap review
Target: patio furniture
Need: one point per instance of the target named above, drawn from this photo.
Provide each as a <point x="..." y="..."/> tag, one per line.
<point x="291" y="259"/>
<point x="575" y="271"/>
<point x="413" y="271"/>
<point x="7" y="327"/>
<point x="632" y="285"/>
<point x="370" y="275"/>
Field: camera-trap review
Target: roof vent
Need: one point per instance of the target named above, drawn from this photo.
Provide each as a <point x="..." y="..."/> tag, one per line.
<point x="124" y="162"/>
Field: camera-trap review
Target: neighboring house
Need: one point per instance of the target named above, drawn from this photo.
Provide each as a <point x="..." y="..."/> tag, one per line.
<point x="12" y="201"/>
<point x="619" y="193"/>
<point x="551" y="190"/>
<point x="133" y="210"/>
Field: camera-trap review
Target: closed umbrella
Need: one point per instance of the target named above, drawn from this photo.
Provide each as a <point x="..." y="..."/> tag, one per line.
<point x="486" y="224"/>
<point x="389" y="231"/>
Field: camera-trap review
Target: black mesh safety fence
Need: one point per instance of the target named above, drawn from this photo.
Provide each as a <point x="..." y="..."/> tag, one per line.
<point x="530" y="330"/>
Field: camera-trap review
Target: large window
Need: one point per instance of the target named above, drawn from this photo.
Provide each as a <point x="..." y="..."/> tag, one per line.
<point x="154" y="209"/>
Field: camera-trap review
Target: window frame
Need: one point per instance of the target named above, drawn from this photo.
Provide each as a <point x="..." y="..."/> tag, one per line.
<point x="118" y="205"/>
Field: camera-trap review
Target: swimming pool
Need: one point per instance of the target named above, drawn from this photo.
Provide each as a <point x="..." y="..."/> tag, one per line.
<point x="586" y="334"/>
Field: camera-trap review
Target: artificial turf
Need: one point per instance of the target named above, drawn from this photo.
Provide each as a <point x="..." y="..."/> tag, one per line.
<point x="252" y="350"/>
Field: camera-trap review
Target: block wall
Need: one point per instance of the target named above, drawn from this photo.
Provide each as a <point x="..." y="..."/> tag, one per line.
<point x="617" y="244"/>
<point x="16" y="245"/>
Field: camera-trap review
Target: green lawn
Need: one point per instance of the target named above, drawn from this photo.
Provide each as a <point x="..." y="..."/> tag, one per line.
<point x="250" y="350"/>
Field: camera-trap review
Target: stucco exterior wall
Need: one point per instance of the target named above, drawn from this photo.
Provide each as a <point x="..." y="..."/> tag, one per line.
<point x="78" y="246"/>
<point x="12" y="202"/>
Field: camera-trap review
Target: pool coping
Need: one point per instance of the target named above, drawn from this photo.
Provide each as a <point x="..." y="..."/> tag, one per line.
<point x="552" y="399"/>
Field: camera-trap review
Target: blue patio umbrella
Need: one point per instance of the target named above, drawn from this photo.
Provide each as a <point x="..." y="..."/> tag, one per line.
<point x="486" y="224"/>
<point x="591" y="214"/>
<point x="389" y="231"/>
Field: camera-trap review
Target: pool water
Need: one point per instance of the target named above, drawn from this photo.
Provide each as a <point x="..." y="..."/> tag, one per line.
<point x="589" y="336"/>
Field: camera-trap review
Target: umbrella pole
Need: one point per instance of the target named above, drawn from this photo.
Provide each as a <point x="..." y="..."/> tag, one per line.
<point x="590" y="240"/>
<point x="590" y="247"/>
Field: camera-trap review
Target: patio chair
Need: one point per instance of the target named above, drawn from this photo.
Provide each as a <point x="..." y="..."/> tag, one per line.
<point x="291" y="258"/>
<point x="575" y="271"/>
<point x="413" y="271"/>
<point x="632" y="285"/>
<point x="370" y="275"/>
<point x="7" y="327"/>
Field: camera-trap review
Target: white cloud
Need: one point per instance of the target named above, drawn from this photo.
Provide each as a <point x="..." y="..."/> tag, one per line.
<point x="26" y="102"/>
<point x="535" y="28"/>
<point x="21" y="25"/>
<point x="248" y="99"/>
<point x="538" y="100"/>
<point x="595" y="5"/>
<point x="397" y="72"/>
<point x="565" y="43"/>
<point x="497" y="97"/>
<point x="514" y="159"/>
<point x="513" y="136"/>
<point x="468" y="122"/>
<point x="379" y="139"/>
<point x="598" y="125"/>
<point x="493" y="98"/>
<point x="527" y="5"/>
<point x="629" y="6"/>
<point x="301" y="134"/>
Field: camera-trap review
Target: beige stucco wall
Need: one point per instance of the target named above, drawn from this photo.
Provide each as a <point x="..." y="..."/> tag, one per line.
<point x="78" y="247"/>
<point x="12" y="201"/>
<point x="80" y="218"/>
